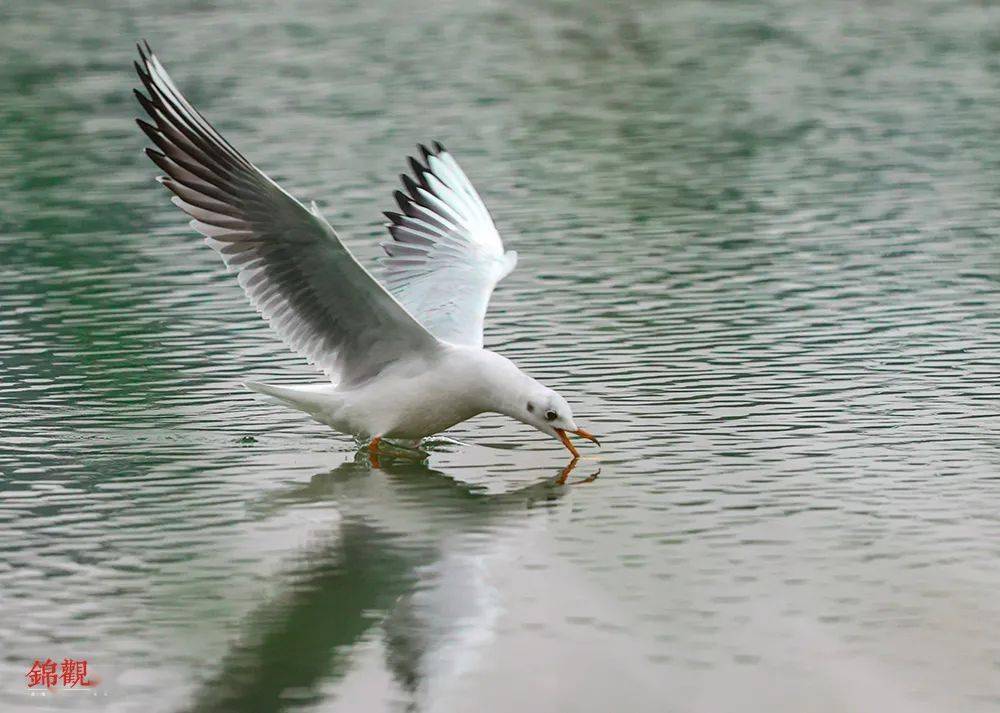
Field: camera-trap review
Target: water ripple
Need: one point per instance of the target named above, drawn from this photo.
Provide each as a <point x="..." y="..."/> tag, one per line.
<point x="757" y="250"/>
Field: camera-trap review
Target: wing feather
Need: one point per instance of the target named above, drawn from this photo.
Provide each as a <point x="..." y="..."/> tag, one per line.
<point x="288" y="260"/>
<point x="445" y="257"/>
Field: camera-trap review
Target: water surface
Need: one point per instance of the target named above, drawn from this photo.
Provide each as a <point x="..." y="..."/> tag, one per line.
<point x="757" y="251"/>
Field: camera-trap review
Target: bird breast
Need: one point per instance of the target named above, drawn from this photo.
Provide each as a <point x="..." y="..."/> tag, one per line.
<point x="419" y="400"/>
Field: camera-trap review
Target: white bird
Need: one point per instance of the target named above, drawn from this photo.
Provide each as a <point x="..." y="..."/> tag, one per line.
<point x="404" y="360"/>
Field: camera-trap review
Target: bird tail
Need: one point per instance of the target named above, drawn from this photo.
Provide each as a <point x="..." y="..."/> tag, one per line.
<point x="317" y="400"/>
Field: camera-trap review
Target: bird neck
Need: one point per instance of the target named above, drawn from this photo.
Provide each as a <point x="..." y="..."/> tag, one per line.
<point x="507" y="388"/>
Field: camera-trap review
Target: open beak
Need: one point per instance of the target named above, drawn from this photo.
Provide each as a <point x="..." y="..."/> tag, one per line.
<point x="569" y="444"/>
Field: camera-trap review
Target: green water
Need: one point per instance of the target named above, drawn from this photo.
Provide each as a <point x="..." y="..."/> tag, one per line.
<point x="758" y="251"/>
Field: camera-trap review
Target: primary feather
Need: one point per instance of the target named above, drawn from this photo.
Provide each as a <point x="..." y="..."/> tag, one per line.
<point x="445" y="257"/>
<point x="290" y="262"/>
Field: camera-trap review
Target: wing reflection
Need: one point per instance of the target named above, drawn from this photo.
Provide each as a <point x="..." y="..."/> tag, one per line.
<point x="403" y="581"/>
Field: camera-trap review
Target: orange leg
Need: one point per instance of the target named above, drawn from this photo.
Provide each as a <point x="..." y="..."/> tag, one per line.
<point x="373" y="452"/>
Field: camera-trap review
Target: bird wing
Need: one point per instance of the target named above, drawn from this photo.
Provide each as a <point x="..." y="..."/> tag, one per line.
<point x="445" y="257"/>
<point x="289" y="261"/>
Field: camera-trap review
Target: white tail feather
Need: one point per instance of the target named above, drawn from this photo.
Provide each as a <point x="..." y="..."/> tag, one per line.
<point x="317" y="400"/>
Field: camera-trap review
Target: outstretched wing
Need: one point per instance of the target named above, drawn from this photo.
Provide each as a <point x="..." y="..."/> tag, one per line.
<point x="289" y="261"/>
<point x="445" y="257"/>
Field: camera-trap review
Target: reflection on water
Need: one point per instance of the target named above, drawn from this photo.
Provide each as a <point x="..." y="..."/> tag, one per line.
<point x="420" y="585"/>
<point x="757" y="250"/>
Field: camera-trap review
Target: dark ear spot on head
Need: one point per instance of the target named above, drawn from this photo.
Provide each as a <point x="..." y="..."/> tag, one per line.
<point x="531" y="407"/>
<point x="550" y="415"/>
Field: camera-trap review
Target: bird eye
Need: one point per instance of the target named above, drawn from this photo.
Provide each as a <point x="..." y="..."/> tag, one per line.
<point x="550" y="415"/>
<point x="531" y="407"/>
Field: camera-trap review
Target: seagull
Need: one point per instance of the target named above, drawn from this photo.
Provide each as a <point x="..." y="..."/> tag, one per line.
<point x="404" y="358"/>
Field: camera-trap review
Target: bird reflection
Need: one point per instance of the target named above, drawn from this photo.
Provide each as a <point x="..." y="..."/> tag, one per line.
<point x="405" y="567"/>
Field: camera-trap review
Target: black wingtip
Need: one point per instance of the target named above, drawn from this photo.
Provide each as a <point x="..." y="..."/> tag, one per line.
<point x="401" y="199"/>
<point x="439" y="147"/>
<point x="149" y="130"/>
<point x="145" y="103"/>
<point x="424" y="152"/>
<point x="420" y="171"/>
<point x="142" y="69"/>
<point x="408" y="183"/>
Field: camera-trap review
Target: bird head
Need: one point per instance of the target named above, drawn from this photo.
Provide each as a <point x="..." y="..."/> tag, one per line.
<point x="513" y="393"/>
<point x="547" y="411"/>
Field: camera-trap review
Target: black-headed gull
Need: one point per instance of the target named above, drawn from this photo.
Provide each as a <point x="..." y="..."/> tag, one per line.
<point x="405" y="360"/>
